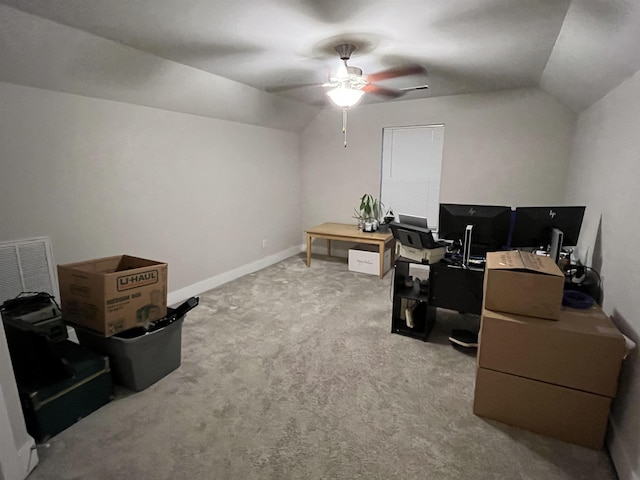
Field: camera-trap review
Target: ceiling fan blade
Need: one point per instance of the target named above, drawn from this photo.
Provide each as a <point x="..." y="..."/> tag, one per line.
<point x="285" y="88"/>
<point x="417" y="87"/>
<point x="396" y="72"/>
<point x="384" y="92"/>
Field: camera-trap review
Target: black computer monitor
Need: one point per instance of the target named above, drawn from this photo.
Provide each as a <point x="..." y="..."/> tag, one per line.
<point x="547" y="228"/>
<point x="480" y="228"/>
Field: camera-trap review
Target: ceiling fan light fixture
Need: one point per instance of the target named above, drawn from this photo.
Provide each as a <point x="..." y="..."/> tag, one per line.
<point x="344" y="96"/>
<point x="343" y="72"/>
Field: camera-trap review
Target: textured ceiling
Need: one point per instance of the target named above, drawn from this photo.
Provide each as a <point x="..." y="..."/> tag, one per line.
<point x="575" y="50"/>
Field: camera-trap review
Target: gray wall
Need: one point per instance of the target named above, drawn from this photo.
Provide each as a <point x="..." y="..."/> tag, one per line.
<point x="605" y="170"/>
<point x="504" y="148"/>
<point x="106" y="178"/>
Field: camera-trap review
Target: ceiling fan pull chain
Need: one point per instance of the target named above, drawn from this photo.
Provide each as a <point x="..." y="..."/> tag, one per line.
<point x="344" y="125"/>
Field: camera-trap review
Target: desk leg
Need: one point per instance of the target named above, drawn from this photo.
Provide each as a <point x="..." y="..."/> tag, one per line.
<point x="308" y="250"/>
<point x="381" y="255"/>
<point x="392" y="245"/>
<point x="329" y="246"/>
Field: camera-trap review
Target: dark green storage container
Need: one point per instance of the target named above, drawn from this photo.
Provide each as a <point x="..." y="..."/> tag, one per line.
<point x="51" y="407"/>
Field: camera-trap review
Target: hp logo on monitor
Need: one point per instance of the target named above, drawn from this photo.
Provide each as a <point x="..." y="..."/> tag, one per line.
<point x="552" y="214"/>
<point x="472" y="211"/>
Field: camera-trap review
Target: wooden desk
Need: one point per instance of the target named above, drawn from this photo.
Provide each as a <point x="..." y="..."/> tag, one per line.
<point x="350" y="233"/>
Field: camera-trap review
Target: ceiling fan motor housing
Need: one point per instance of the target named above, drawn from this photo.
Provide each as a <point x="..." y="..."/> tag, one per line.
<point x="345" y="50"/>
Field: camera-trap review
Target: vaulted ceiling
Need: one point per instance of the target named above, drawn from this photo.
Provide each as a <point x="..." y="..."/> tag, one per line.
<point x="576" y="50"/>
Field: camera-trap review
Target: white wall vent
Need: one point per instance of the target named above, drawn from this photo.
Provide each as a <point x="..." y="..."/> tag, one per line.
<point x="27" y="266"/>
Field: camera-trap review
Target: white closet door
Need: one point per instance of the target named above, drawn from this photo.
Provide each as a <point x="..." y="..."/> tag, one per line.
<point x="411" y="168"/>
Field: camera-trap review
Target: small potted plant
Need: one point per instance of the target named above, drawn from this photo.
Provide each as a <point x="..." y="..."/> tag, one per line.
<point x="369" y="212"/>
<point x="358" y="216"/>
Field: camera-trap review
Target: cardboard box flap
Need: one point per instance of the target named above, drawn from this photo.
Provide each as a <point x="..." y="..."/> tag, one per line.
<point x="97" y="267"/>
<point x="589" y="321"/>
<point x="106" y="265"/>
<point x="519" y="261"/>
<point x="127" y="262"/>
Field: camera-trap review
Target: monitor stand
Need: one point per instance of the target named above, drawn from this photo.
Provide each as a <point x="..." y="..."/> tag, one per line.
<point x="556" y="244"/>
<point x="466" y="249"/>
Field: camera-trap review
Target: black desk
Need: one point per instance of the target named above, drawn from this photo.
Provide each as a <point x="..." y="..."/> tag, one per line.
<point x="456" y="288"/>
<point x="406" y="295"/>
<point x="449" y="286"/>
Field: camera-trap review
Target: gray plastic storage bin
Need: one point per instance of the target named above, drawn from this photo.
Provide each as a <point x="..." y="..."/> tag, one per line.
<point x="140" y="361"/>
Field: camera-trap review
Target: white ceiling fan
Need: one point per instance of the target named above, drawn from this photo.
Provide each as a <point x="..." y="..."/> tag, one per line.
<point x="349" y="84"/>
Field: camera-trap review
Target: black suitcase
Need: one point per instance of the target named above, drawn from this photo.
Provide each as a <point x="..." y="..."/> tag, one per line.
<point x="52" y="406"/>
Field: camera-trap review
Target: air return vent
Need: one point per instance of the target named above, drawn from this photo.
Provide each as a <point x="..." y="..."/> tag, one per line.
<point x="27" y="266"/>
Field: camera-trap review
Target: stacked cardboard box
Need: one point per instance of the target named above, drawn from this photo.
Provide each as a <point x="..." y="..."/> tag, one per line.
<point x="546" y="368"/>
<point x="113" y="294"/>
<point x="523" y="283"/>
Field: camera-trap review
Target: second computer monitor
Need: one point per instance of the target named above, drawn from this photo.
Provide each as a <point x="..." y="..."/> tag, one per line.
<point x="533" y="226"/>
<point x="490" y="225"/>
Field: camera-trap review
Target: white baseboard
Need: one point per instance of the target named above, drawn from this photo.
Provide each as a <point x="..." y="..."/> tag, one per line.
<point x="28" y="456"/>
<point x="205" y="285"/>
<point x="16" y="463"/>
<point x="620" y="456"/>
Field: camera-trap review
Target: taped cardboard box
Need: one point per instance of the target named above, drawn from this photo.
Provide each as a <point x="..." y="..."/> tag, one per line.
<point x="559" y="412"/>
<point x="112" y="294"/>
<point x="582" y="350"/>
<point x="523" y="283"/>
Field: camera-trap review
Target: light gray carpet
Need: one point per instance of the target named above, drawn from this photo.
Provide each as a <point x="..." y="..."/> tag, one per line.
<point x="292" y="373"/>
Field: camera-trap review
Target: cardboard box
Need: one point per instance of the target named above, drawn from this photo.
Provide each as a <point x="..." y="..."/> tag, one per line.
<point x="582" y="350"/>
<point x="112" y="294"/>
<point x="523" y="283"/>
<point x="366" y="259"/>
<point x="563" y="413"/>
